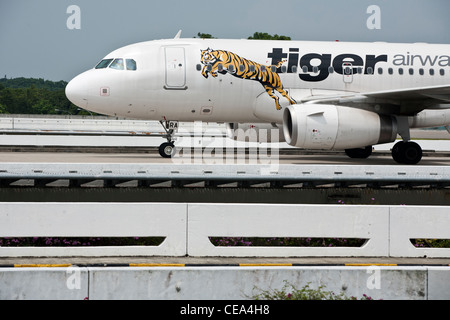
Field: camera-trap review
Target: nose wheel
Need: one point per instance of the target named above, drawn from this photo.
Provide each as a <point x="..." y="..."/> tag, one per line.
<point x="167" y="149"/>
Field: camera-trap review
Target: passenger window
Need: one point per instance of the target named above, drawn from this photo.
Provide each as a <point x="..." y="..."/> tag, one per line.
<point x="421" y="72"/>
<point x="231" y="68"/>
<point x="283" y="69"/>
<point x="442" y="72"/>
<point x="431" y="72"/>
<point x="263" y="68"/>
<point x="330" y="70"/>
<point x="305" y="69"/>
<point x="273" y="69"/>
<point x="411" y="71"/>
<point x="220" y="67"/>
<point x="369" y="70"/>
<point x="400" y="71"/>
<point x="103" y="64"/>
<point x="391" y="71"/>
<point x="294" y="69"/>
<point x="380" y="70"/>
<point x="199" y="67"/>
<point x="252" y="68"/>
<point x="117" y="64"/>
<point x="131" y="64"/>
<point x="241" y="68"/>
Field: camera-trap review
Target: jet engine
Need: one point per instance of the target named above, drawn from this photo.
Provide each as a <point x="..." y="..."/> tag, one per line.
<point x="330" y="127"/>
<point x="255" y="132"/>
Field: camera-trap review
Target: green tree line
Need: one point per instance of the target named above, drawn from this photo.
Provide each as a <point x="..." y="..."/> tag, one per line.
<point x="35" y="96"/>
<point x="255" y="36"/>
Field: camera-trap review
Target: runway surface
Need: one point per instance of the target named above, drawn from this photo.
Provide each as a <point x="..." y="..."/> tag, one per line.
<point x="338" y="158"/>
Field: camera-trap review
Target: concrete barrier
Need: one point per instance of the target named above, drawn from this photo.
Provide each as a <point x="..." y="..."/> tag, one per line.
<point x="95" y="220"/>
<point x="187" y="228"/>
<point x="77" y="131"/>
<point x="243" y="282"/>
<point x="300" y="221"/>
<point x="217" y="283"/>
<point x="409" y="223"/>
<point x="22" y="124"/>
<point x="44" y="283"/>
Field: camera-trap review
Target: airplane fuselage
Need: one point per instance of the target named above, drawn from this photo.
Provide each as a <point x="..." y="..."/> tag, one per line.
<point x="169" y="81"/>
<point x="319" y="95"/>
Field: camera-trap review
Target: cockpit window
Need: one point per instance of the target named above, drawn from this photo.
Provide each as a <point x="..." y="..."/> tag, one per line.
<point x="131" y="64"/>
<point x="117" y="64"/>
<point x="103" y="64"/>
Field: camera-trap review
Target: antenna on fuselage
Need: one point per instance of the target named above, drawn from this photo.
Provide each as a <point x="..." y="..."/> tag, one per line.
<point x="178" y="35"/>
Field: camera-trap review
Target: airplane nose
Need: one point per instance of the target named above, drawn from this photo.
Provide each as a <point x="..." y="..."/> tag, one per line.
<point x="77" y="91"/>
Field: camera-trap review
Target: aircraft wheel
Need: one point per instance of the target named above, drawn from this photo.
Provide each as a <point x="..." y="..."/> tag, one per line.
<point x="167" y="150"/>
<point x="397" y="153"/>
<point x="412" y="153"/>
<point x="359" y="153"/>
<point x="407" y="152"/>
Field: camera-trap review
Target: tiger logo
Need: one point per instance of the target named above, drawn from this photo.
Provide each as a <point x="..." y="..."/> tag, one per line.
<point x="221" y="61"/>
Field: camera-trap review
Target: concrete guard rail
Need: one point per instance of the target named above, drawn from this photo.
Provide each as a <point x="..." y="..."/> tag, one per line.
<point x="187" y="228"/>
<point x="93" y="125"/>
<point x="109" y="132"/>
<point x="74" y="131"/>
<point x="219" y="283"/>
<point x="214" y="175"/>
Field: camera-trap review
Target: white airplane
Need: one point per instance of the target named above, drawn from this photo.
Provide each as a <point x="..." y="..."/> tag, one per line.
<point x="319" y="95"/>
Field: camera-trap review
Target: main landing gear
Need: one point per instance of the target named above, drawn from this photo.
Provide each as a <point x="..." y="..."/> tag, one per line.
<point x="407" y="152"/>
<point x="403" y="152"/>
<point x="167" y="149"/>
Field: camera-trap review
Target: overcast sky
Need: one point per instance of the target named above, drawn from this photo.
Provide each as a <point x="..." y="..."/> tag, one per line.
<point x="36" y="42"/>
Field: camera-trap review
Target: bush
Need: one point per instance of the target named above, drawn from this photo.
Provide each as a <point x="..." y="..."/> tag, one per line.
<point x="289" y="292"/>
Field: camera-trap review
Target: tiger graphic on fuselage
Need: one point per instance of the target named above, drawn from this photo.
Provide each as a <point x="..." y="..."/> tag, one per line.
<point x="221" y="61"/>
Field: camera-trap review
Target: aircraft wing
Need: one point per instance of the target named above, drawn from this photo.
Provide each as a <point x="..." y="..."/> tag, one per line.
<point x="415" y="98"/>
<point x="438" y="94"/>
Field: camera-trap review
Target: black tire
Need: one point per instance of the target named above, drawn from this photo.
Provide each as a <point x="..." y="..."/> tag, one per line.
<point x="167" y="150"/>
<point x="412" y="153"/>
<point x="407" y="152"/>
<point x="359" y="153"/>
<point x="397" y="152"/>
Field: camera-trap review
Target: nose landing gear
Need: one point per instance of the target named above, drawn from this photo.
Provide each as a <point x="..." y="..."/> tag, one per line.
<point x="167" y="149"/>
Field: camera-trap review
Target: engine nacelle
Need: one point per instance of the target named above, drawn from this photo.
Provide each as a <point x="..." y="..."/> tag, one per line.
<point x="330" y="127"/>
<point x="255" y="132"/>
<point x="430" y="118"/>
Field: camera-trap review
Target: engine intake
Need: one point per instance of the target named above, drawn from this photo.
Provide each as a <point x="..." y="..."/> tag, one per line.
<point x="330" y="127"/>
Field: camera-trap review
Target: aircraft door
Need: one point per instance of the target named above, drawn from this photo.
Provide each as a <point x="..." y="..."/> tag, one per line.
<point x="175" y="68"/>
<point x="347" y="71"/>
